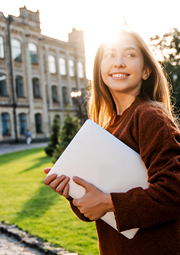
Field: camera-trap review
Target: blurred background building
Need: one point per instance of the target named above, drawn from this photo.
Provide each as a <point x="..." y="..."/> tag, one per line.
<point x="37" y="76"/>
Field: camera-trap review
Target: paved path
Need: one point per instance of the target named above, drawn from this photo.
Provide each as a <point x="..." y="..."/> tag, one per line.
<point x="10" y="246"/>
<point x="8" y="148"/>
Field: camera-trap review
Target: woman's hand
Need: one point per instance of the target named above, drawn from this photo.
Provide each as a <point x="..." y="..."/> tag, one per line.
<point x="58" y="184"/>
<point x="95" y="203"/>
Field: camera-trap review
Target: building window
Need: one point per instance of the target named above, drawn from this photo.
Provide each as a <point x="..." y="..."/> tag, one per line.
<point x="16" y="49"/>
<point x="33" y="53"/>
<point x="62" y="66"/>
<point x="54" y="94"/>
<point x="19" y="86"/>
<point x="80" y="70"/>
<point x="38" y="123"/>
<point x="3" y="85"/>
<point x="36" y="89"/>
<point x="1" y="47"/>
<point x="74" y="98"/>
<point x="71" y="68"/>
<point x="65" y="95"/>
<point x="52" y="64"/>
<point x="5" y="122"/>
<point x="22" y="123"/>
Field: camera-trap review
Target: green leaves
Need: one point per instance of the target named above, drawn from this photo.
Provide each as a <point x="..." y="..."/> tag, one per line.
<point x="67" y="132"/>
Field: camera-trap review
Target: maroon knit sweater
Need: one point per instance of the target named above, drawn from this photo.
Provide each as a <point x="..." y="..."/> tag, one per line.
<point x="155" y="210"/>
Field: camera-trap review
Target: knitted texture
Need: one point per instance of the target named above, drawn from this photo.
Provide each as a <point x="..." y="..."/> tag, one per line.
<point x="155" y="210"/>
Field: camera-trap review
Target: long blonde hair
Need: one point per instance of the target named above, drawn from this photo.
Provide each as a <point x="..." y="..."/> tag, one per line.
<point x="156" y="89"/>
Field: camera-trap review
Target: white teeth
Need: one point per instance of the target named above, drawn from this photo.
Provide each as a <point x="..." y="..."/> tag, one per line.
<point x="119" y="75"/>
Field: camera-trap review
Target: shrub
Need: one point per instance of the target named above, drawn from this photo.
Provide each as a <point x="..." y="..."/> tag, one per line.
<point x="53" y="138"/>
<point x="67" y="132"/>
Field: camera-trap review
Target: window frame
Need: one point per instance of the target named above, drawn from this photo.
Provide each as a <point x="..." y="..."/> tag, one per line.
<point x="36" y="87"/>
<point x="3" y="86"/>
<point x="19" y="87"/>
<point x="21" y="123"/>
<point x="80" y="69"/>
<point x="71" y="68"/>
<point x="54" y="91"/>
<point x="33" y="54"/>
<point x="38" y="123"/>
<point x="1" y="47"/>
<point x="5" y="122"/>
<point x="52" y="64"/>
<point x="18" y="48"/>
<point x="65" y="95"/>
<point x="62" y="66"/>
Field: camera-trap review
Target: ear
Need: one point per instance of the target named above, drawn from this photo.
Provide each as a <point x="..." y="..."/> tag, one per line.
<point x="146" y="73"/>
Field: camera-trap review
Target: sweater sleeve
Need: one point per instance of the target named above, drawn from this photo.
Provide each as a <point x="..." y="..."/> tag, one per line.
<point x="159" y="146"/>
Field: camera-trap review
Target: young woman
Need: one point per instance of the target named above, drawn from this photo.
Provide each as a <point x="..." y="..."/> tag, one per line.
<point x="130" y="98"/>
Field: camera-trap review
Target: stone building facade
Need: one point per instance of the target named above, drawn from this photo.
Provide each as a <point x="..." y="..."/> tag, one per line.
<point x="37" y="76"/>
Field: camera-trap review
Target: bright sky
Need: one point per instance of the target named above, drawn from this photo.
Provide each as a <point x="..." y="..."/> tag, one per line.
<point x="99" y="18"/>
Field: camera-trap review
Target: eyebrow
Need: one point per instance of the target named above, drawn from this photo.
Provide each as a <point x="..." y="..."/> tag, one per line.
<point x="113" y="49"/>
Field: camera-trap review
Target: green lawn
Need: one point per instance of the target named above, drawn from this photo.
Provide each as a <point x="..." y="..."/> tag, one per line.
<point x="26" y="202"/>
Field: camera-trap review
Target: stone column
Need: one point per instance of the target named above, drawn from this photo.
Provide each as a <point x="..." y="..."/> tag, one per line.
<point x="68" y="79"/>
<point x="44" y="95"/>
<point x="30" y="96"/>
<point x="48" y="78"/>
<point x="59" y="78"/>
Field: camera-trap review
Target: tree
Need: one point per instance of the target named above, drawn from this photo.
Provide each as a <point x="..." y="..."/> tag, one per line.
<point x="53" y="138"/>
<point x="167" y="50"/>
<point x="67" y="132"/>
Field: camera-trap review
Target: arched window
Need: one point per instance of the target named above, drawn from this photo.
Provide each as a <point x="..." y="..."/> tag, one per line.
<point x="54" y="94"/>
<point x="52" y="64"/>
<point x="2" y="84"/>
<point x="71" y="68"/>
<point x="36" y="90"/>
<point x="5" y="123"/>
<point x="19" y="86"/>
<point x="16" y="49"/>
<point x="80" y="70"/>
<point x="22" y="123"/>
<point x="65" y="95"/>
<point x="38" y="123"/>
<point x="1" y="47"/>
<point x="62" y="66"/>
<point x="33" y="53"/>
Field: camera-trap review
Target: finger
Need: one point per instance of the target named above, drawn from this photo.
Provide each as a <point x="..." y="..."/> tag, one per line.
<point x="66" y="191"/>
<point x="49" y="179"/>
<point x="55" y="183"/>
<point x="81" y="182"/>
<point x="75" y="201"/>
<point x="46" y="170"/>
<point x="60" y="187"/>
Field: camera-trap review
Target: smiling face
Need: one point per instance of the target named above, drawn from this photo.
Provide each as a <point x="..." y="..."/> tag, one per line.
<point x="122" y="66"/>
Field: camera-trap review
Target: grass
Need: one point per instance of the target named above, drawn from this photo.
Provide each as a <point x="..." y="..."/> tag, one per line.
<point x="26" y="202"/>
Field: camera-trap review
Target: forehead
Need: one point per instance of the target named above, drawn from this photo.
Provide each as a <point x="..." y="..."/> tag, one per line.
<point x="121" y="42"/>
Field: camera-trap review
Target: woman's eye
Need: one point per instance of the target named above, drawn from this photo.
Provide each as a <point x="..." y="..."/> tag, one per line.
<point x="109" y="55"/>
<point x="130" y="55"/>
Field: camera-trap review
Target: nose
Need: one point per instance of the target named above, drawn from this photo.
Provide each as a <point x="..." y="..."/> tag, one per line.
<point x="119" y="63"/>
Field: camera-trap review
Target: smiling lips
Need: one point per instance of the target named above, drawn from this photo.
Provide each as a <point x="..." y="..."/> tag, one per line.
<point x="119" y="75"/>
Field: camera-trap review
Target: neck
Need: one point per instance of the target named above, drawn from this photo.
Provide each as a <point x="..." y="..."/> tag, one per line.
<point x="122" y="101"/>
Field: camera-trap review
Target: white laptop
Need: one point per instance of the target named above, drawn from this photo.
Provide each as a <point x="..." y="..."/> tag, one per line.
<point x="103" y="160"/>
